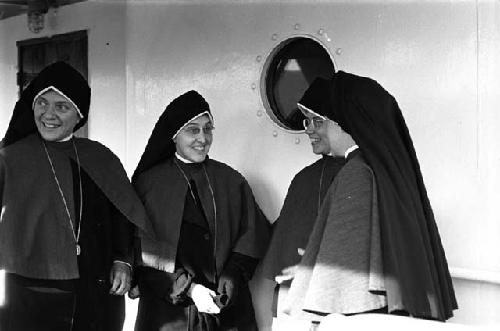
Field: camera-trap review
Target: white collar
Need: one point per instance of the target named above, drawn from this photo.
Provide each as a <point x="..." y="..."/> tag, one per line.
<point x="182" y="159"/>
<point x="66" y="139"/>
<point x="350" y="149"/>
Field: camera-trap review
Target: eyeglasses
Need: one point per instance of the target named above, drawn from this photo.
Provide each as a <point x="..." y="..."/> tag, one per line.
<point x="195" y="130"/>
<point x="317" y="122"/>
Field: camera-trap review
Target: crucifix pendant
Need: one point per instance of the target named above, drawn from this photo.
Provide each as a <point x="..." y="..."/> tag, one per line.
<point x="78" y="250"/>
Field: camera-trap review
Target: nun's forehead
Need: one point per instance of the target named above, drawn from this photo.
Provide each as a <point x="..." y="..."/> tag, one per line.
<point x="199" y="117"/>
<point x="56" y="90"/>
<point x="205" y="113"/>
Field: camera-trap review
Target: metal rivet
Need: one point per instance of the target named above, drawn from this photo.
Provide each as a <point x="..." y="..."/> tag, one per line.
<point x="275" y="133"/>
<point x="321" y="31"/>
<point x="254" y="86"/>
<point x="297" y="141"/>
<point x="274" y="36"/>
<point x="259" y="112"/>
<point x="338" y="51"/>
<point x="258" y="58"/>
<point x="296" y="26"/>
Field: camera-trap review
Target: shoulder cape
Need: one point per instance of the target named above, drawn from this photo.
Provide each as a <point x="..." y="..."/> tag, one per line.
<point x="35" y="239"/>
<point x="341" y="270"/>
<point x="298" y="214"/>
<point x="240" y="224"/>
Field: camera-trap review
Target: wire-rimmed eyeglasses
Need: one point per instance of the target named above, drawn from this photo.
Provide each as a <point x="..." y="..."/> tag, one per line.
<point x="195" y="130"/>
<point x="317" y="122"/>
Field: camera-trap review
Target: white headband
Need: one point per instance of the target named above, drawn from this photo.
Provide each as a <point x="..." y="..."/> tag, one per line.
<point x="192" y="119"/>
<point x="307" y="110"/>
<point x="56" y="90"/>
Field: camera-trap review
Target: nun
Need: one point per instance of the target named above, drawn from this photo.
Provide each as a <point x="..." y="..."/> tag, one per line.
<point x="68" y="214"/>
<point x="210" y="233"/>
<point x="375" y="246"/>
<point x="296" y="220"/>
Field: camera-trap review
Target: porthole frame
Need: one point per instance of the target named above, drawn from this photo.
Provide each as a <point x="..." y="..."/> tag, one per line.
<point x="269" y="59"/>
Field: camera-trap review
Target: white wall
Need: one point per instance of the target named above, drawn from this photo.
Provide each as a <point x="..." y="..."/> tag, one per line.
<point x="438" y="58"/>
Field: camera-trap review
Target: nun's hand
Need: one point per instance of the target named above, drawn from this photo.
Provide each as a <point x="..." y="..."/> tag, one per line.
<point x="120" y="277"/>
<point x="134" y="292"/>
<point x="289" y="272"/>
<point x="286" y="274"/>
<point x="203" y="298"/>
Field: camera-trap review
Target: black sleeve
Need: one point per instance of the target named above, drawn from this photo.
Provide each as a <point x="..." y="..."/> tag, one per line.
<point x="172" y="287"/>
<point x="237" y="272"/>
<point x="242" y="264"/>
<point x="123" y="238"/>
<point x="136" y="251"/>
<point x="2" y="179"/>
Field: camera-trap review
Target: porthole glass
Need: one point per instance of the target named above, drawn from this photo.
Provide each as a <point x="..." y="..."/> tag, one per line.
<point x="289" y="70"/>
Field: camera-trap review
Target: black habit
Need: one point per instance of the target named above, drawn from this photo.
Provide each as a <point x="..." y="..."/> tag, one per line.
<point x="209" y="230"/>
<point x="296" y="220"/>
<point x="49" y="286"/>
<point x="416" y="273"/>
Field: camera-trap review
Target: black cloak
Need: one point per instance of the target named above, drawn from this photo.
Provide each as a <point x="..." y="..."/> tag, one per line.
<point x="50" y="285"/>
<point x="237" y="230"/>
<point x="296" y="220"/>
<point x="22" y="156"/>
<point x="415" y="268"/>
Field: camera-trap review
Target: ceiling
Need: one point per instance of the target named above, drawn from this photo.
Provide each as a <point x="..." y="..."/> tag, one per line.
<point x="9" y="8"/>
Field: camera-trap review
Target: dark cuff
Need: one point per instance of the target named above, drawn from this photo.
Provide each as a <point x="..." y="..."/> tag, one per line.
<point x="180" y="287"/>
<point x="241" y="264"/>
<point x="171" y="287"/>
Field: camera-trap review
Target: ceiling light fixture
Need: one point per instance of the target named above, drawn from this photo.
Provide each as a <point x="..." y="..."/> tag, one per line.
<point x="36" y="15"/>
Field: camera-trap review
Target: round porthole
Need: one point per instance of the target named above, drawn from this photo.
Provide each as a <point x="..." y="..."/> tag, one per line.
<point x="289" y="70"/>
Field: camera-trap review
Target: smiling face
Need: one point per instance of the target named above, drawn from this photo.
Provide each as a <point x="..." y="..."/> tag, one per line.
<point x="323" y="133"/>
<point x="55" y="116"/>
<point x="194" y="140"/>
